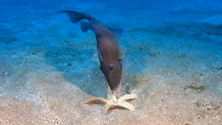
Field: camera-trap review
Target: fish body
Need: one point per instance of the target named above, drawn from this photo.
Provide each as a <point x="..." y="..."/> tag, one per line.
<point x="107" y="47"/>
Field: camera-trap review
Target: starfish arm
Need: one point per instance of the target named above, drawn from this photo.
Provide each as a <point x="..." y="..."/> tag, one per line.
<point x="126" y="105"/>
<point x="108" y="107"/>
<point x="114" y="102"/>
<point x="127" y="97"/>
<point x="97" y="100"/>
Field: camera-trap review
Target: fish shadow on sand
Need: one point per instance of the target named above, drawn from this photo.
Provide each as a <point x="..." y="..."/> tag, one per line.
<point x="79" y="69"/>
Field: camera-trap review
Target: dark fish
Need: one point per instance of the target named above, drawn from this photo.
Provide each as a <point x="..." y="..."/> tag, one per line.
<point x="107" y="47"/>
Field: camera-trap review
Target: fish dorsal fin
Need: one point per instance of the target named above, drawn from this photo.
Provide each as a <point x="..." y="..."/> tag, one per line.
<point x="117" y="32"/>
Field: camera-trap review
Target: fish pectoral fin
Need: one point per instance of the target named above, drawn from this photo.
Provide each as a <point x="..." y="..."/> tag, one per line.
<point x="100" y="54"/>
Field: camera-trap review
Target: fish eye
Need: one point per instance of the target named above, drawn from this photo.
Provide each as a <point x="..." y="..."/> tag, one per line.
<point x="111" y="66"/>
<point x="120" y="59"/>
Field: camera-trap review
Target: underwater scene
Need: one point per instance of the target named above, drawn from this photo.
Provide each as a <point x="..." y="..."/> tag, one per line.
<point x="111" y="62"/>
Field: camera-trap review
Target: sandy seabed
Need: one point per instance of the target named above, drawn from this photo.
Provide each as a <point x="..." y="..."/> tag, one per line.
<point x="49" y="68"/>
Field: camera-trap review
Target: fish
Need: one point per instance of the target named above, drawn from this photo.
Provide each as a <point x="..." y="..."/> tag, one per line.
<point x="108" y="49"/>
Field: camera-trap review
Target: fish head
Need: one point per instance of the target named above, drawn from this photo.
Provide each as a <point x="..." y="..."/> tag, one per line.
<point x="113" y="74"/>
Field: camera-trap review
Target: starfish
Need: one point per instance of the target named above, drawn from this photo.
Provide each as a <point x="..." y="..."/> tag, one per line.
<point x="115" y="102"/>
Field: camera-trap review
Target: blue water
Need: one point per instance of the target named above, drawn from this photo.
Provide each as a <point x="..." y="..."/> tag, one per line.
<point x="181" y="38"/>
<point x="29" y="24"/>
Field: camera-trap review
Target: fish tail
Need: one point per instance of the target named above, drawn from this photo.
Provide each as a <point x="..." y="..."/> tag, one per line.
<point x="74" y="16"/>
